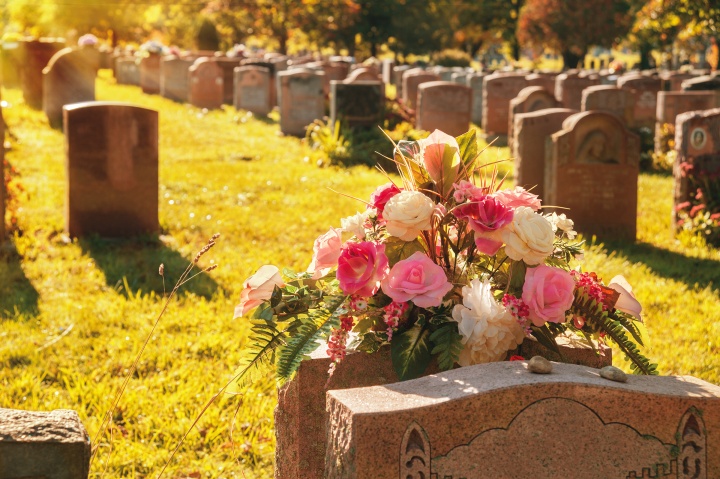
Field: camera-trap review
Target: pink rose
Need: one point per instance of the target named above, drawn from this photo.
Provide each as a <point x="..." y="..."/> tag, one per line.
<point x="626" y="302"/>
<point x="258" y="288"/>
<point x="418" y="279"/>
<point x="361" y="267"/>
<point x="518" y="197"/>
<point x="484" y="214"/>
<point x="441" y="158"/>
<point x="381" y="196"/>
<point x="548" y="293"/>
<point x="326" y="252"/>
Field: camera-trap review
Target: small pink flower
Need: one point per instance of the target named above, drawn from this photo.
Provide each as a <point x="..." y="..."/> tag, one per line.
<point x="258" y="288"/>
<point x="418" y="279"/>
<point x="361" y="267"/>
<point x="485" y="214"/>
<point x="627" y="302"/>
<point x="464" y="190"/>
<point x="326" y="252"/>
<point x="518" y="197"/>
<point x="548" y="293"/>
<point x="381" y="196"/>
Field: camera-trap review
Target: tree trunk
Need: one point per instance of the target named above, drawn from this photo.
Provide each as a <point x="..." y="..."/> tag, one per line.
<point x="644" y="57"/>
<point x="282" y="41"/>
<point x="373" y="49"/>
<point x="571" y="59"/>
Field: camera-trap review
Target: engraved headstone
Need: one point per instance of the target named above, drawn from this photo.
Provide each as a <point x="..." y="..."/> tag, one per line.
<point x="672" y="103"/>
<point x="174" y="78"/>
<point x="411" y="81"/>
<point x="697" y="166"/>
<point x="274" y="68"/>
<point x="112" y="167"/>
<point x="475" y="82"/>
<point x="569" y="87"/>
<point x="618" y="101"/>
<point x="206" y="84"/>
<point x="498" y="420"/>
<point x="397" y="75"/>
<point x="357" y="104"/>
<point x="34" y="57"/>
<point x="127" y="71"/>
<point x="68" y="78"/>
<point x="498" y="90"/>
<point x="362" y="74"/>
<point x="252" y="89"/>
<point x="705" y="82"/>
<point x="645" y="90"/>
<point x="444" y="106"/>
<point x="672" y="81"/>
<point x="228" y="65"/>
<point x="301" y="99"/>
<point x="531" y="133"/>
<point x="531" y="98"/>
<point x="150" y="73"/>
<point x="545" y="80"/>
<point x="593" y="171"/>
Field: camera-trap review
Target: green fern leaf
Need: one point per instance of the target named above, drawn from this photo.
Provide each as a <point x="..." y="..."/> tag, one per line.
<point x="265" y="338"/>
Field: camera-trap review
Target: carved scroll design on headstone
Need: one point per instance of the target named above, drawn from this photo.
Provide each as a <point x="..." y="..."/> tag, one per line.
<point x="415" y="453"/>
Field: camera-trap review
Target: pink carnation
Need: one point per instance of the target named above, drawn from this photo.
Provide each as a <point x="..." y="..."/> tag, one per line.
<point x="381" y="196"/>
<point x="518" y="197"/>
<point x="361" y="267"/>
<point x="258" y="288"/>
<point x="548" y="293"/>
<point x="326" y="252"/>
<point x="485" y="214"/>
<point x="418" y="279"/>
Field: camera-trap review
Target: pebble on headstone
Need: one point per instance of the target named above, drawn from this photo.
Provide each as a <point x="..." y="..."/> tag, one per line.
<point x="48" y="445"/>
<point x="614" y="374"/>
<point x="539" y="365"/>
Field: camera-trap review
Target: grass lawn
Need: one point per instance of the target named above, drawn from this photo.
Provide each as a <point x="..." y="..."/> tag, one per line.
<point x="73" y="314"/>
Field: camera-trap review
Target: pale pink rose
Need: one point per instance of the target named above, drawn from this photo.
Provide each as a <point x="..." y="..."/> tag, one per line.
<point x="518" y="197"/>
<point x="484" y="214"/>
<point x="441" y="158"/>
<point x="626" y="302"/>
<point x="529" y="237"/>
<point x="361" y="267"/>
<point x="548" y="293"/>
<point x="381" y="196"/>
<point x="326" y="252"/>
<point x="418" y="279"/>
<point x="407" y="214"/>
<point x="258" y="288"/>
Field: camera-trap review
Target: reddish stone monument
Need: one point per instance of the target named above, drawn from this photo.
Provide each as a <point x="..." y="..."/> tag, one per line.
<point x="499" y="420"/>
<point x="228" y="65"/>
<point x="531" y="98"/>
<point x="112" y="168"/>
<point x="68" y="78"/>
<point x="150" y="74"/>
<point x="593" y="171"/>
<point x="531" y="136"/>
<point x="411" y="81"/>
<point x="206" y="84"/>
<point x="645" y="89"/>
<point x="34" y="56"/>
<point x="671" y="104"/>
<point x="545" y="80"/>
<point x="498" y="90"/>
<point x="444" y="106"/>
<point x="174" y="78"/>
<point x="612" y="99"/>
<point x="569" y="87"/>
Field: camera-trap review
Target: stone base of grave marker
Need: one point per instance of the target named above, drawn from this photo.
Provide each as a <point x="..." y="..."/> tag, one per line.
<point x="300" y="416"/>
<point x="500" y="420"/>
<point x="43" y="445"/>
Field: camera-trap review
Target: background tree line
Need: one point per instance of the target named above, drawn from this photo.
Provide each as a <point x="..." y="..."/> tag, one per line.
<point x="568" y="27"/>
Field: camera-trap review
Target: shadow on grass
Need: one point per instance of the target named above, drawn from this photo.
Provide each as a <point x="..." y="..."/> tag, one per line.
<point x="137" y="260"/>
<point x="17" y="295"/>
<point x="671" y="265"/>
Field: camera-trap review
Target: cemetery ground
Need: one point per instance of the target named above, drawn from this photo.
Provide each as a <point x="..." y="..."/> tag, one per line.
<point x="74" y="313"/>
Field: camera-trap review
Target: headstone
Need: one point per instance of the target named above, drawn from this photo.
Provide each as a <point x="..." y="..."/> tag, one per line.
<point x="618" y="101"/>
<point x="672" y="81"/>
<point x="645" y="90"/>
<point x="593" y="171"/>
<point x="475" y="82"/>
<point x="357" y="104"/>
<point x="301" y="417"/>
<point x="10" y="63"/>
<point x="397" y="75"/>
<point x="228" y="65"/>
<point x="68" y="78"/>
<point x="444" y="106"/>
<point x="531" y="98"/>
<point x="112" y="167"/>
<point x="569" y="87"/>
<point x="672" y="103"/>
<point x="43" y="445"/>
<point x="362" y="74"/>
<point x="411" y="82"/>
<point x="336" y="71"/>
<point x="252" y="89"/>
<point x="499" y="420"/>
<point x="545" y="80"/>
<point x="174" y="78"/>
<point x="273" y="68"/>
<point x="127" y="71"/>
<point x="387" y="71"/>
<point x="206" y="84"/>
<point x="705" y="82"/>
<point x="697" y="166"/>
<point x="34" y="57"/>
<point x="531" y="132"/>
<point x="2" y="175"/>
<point x="498" y="90"/>
<point x="150" y="74"/>
<point x="301" y="99"/>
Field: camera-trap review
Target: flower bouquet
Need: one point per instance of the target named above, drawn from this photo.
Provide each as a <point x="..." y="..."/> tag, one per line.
<point x="443" y="264"/>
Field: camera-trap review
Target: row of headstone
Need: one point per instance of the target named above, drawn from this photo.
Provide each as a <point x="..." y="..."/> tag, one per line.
<point x="69" y="77"/>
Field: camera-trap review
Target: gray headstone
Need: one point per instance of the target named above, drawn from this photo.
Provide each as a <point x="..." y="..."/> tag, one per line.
<point x="68" y="78"/>
<point x="252" y="89"/>
<point x="357" y="104"/>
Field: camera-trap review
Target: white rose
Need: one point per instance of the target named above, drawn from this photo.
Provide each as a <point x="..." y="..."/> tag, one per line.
<point x="529" y="237"/>
<point x="356" y="224"/>
<point x="407" y="214"/>
<point x="488" y="330"/>
<point x="563" y="223"/>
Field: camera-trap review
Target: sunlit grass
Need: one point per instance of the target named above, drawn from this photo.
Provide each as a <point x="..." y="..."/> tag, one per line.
<point x="229" y="173"/>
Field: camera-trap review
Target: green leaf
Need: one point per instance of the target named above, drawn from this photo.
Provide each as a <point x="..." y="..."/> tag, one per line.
<point x="369" y="342"/>
<point x="397" y="249"/>
<point x="468" y="148"/>
<point x="546" y="338"/>
<point x="411" y="352"/>
<point x="448" y="344"/>
<point x="517" y="275"/>
<point x="265" y="338"/>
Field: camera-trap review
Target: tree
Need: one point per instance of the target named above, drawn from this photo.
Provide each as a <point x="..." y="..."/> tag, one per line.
<point x="474" y="23"/>
<point x="572" y="26"/>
